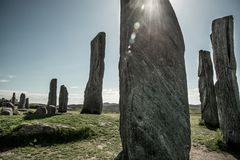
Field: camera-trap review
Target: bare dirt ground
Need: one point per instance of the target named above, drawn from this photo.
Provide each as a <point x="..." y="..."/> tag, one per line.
<point x="202" y="153"/>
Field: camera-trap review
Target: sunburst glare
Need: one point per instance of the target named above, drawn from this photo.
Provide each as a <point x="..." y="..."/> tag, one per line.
<point x="150" y="7"/>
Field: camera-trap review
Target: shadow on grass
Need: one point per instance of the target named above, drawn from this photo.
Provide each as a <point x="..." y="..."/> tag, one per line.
<point x="33" y="116"/>
<point x="208" y="126"/>
<point x="232" y="149"/>
<point x="11" y="141"/>
<point x="212" y="128"/>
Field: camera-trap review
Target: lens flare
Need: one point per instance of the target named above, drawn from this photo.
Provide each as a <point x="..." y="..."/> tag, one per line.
<point x="136" y="25"/>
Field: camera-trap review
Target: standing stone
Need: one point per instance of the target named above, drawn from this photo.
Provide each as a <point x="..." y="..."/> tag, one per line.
<point x="22" y="101"/>
<point x="226" y="86"/>
<point x="63" y="99"/>
<point x="207" y="90"/>
<point x="93" y="93"/>
<point x="154" y="113"/>
<point x="27" y="103"/>
<point x="52" y="96"/>
<point x="13" y="99"/>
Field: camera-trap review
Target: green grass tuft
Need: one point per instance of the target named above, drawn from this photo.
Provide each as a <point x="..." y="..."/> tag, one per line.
<point x="216" y="143"/>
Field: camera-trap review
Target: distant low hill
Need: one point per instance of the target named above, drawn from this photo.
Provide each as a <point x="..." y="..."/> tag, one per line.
<point x="193" y="106"/>
<point x="107" y="107"/>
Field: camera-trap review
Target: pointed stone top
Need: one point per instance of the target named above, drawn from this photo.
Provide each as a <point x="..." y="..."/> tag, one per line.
<point x="63" y="86"/>
<point x="100" y="35"/>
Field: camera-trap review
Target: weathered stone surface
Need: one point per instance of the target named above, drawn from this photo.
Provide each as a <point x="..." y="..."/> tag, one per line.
<point x="93" y="93"/>
<point x="27" y="103"/>
<point x="51" y="110"/>
<point x="41" y="111"/>
<point x="13" y="99"/>
<point x="226" y="86"/>
<point x="52" y="96"/>
<point x="16" y="112"/>
<point x="154" y="113"/>
<point x="40" y="129"/>
<point x="63" y="99"/>
<point x="207" y="90"/>
<point x="22" y="101"/>
<point x="2" y="102"/>
<point x="7" y="111"/>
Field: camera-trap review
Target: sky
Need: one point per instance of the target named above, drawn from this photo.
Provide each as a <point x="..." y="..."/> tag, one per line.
<point x="42" y="39"/>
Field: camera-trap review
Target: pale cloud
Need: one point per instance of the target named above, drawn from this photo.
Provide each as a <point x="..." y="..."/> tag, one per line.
<point x="33" y="97"/>
<point x="4" y="81"/>
<point x="193" y="96"/>
<point x="111" y="95"/>
<point x="74" y="87"/>
<point x="39" y="97"/>
<point x="76" y="98"/>
<point x="11" y="76"/>
<point x="7" y="78"/>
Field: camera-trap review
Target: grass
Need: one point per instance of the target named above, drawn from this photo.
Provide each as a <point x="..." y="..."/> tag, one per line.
<point x="104" y="145"/>
<point x="201" y="135"/>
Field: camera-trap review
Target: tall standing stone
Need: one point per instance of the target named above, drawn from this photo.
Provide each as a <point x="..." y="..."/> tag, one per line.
<point x="13" y="99"/>
<point x="154" y="113"/>
<point x="226" y="86"/>
<point x="27" y="103"/>
<point x="63" y="99"/>
<point x="52" y="96"/>
<point x="93" y="102"/>
<point x="22" y="101"/>
<point x="207" y="90"/>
